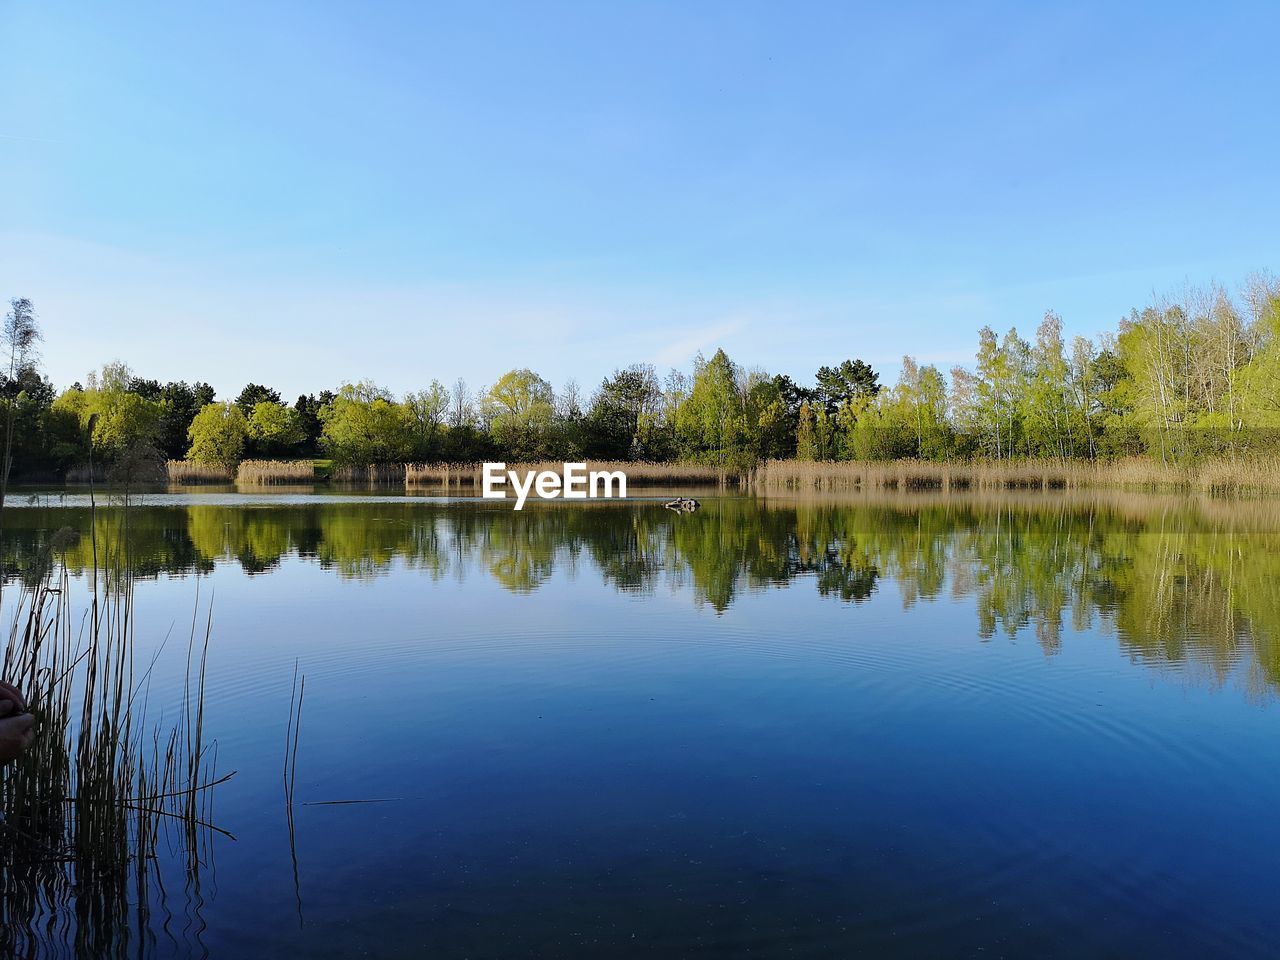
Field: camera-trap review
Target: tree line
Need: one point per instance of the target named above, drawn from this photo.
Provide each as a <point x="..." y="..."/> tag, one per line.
<point x="1183" y="377"/>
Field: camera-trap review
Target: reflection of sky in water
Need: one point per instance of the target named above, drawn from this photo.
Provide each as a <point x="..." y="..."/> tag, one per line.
<point x="635" y="734"/>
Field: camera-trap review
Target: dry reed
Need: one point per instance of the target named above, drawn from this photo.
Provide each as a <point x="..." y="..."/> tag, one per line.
<point x="265" y="472"/>
<point x="372" y="473"/>
<point x="190" y="472"/>
<point x="1219" y="477"/>
<point x="639" y="473"/>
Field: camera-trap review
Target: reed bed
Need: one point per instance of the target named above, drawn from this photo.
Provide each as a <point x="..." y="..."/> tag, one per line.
<point x="372" y="473"/>
<point x="1240" y="477"/>
<point x="190" y="472"/>
<point x="267" y="472"/>
<point x="102" y="789"/>
<point x="917" y="474"/>
<point x="1253" y="476"/>
<point x="639" y="473"/>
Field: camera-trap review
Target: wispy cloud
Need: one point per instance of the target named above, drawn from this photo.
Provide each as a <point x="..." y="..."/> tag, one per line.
<point x="677" y="351"/>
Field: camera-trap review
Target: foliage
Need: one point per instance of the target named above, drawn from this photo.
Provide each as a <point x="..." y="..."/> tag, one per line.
<point x="850" y="380"/>
<point x="217" y="435"/>
<point x="624" y="415"/>
<point x="254" y="394"/>
<point x="364" y="425"/>
<point x="308" y="407"/>
<point x="274" y="430"/>
<point x="1182" y="379"/>
<point x="119" y="424"/>
<point x="711" y="423"/>
<point x="19" y="337"/>
<point x="520" y="412"/>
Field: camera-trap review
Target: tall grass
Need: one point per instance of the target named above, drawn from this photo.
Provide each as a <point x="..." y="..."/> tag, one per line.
<point x="190" y="472"/>
<point x="266" y="472"/>
<point x="1235" y="476"/>
<point x="372" y="473"/>
<point x="88" y="807"/>
<point x="639" y="473"/>
<point x="916" y="474"/>
<point x="1220" y="477"/>
<point x="1259" y="475"/>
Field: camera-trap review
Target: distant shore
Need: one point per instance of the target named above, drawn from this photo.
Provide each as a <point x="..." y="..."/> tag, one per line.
<point x="1219" y="476"/>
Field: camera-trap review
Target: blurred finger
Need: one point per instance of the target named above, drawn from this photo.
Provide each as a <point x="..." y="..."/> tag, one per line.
<point x="7" y="707"/>
<point x="9" y="692"/>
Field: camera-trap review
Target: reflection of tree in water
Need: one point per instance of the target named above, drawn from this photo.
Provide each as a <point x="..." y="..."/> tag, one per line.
<point x="1181" y="582"/>
<point x="519" y="548"/>
<point x="631" y="555"/>
<point x="836" y="579"/>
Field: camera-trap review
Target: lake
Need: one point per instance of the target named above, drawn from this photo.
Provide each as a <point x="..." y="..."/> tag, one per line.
<point x="900" y="725"/>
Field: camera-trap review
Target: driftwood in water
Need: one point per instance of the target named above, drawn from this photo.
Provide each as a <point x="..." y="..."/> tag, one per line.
<point x="682" y="504"/>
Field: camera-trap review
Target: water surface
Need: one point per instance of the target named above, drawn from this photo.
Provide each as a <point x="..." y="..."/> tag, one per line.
<point x="906" y="726"/>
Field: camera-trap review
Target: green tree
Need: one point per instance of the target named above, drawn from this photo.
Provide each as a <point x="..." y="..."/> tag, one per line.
<point x="1257" y="383"/>
<point x="364" y="425"/>
<point x="624" y="407"/>
<point x="426" y="412"/>
<point x="519" y="408"/>
<point x="274" y="430"/>
<point x="999" y="401"/>
<point x="20" y="336"/>
<point x="852" y="379"/>
<point x="254" y="394"/>
<point x="1051" y="428"/>
<point x="1111" y="391"/>
<point x="309" y="407"/>
<point x="806" y="439"/>
<point x="217" y="434"/>
<point x="180" y="402"/>
<point x="919" y="402"/>
<point x="711" y="422"/>
<point x="121" y="424"/>
<point x="770" y="425"/>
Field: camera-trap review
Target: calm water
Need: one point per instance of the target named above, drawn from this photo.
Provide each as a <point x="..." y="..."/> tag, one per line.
<point x="907" y="727"/>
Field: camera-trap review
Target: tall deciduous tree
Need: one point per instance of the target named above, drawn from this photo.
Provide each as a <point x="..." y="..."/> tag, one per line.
<point x="364" y="425"/>
<point x="21" y="335"/>
<point x="122" y="425"/>
<point x="274" y="430"/>
<point x="806" y="440"/>
<point x="711" y="422"/>
<point x="520" y="409"/>
<point x="217" y="435"/>
<point x="427" y="411"/>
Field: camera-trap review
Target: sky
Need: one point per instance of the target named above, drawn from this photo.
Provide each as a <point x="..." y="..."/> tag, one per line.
<point x="303" y="194"/>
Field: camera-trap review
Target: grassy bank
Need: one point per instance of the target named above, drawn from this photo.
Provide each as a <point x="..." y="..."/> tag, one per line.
<point x="1253" y="476"/>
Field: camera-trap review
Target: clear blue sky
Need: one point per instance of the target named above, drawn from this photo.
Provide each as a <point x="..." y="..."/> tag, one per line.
<point x="301" y="193"/>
